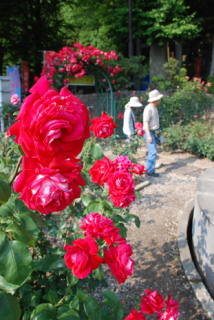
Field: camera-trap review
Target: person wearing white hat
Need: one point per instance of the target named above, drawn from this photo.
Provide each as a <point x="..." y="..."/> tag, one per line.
<point x="150" y="125"/>
<point x="129" y="117"/>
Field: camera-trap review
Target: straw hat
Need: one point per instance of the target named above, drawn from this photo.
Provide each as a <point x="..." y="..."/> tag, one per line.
<point x="154" y="95"/>
<point x="134" y="102"/>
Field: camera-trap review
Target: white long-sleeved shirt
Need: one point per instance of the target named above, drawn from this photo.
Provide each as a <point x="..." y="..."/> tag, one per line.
<point x="128" y="121"/>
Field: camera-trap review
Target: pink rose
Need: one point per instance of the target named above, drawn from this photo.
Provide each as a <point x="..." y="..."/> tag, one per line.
<point x="138" y="169"/>
<point x="138" y="125"/>
<point x="187" y="77"/>
<point x="195" y="116"/>
<point x="209" y="84"/>
<point x="35" y="78"/>
<point x="15" y="99"/>
<point x="49" y="188"/>
<point x="8" y="134"/>
<point x="104" y="80"/>
<point x="122" y="163"/>
<point x="51" y="124"/>
<point x="152" y="302"/>
<point x="103" y="127"/>
<point x="140" y="132"/>
<point x="120" y="116"/>
<point x="134" y="315"/>
<point x="82" y="258"/>
<point x="119" y="261"/>
<point x="171" y="312"/>
<point x="101" y="171"/>
<point x="97" y="226"/>
<point x="113" y="81"/>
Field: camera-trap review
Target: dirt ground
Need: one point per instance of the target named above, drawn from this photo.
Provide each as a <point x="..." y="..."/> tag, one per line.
<point x="155" y="249"/>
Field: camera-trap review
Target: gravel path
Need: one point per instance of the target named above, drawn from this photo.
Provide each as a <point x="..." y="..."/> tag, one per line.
<point x="155" y="249"/>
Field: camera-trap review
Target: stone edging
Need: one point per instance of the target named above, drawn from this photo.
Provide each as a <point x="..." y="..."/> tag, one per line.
<point x="191" y="273"/>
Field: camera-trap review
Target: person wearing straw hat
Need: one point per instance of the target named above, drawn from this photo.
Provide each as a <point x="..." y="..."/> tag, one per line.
<point x="151" y="126"/>
<point x="129" y="117"/>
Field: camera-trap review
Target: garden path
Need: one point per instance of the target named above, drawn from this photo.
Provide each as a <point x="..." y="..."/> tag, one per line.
<point x="155" y="249"/>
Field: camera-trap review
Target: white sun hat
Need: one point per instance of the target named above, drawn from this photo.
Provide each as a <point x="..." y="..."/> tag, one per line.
<point x="134" y="102"/>
<point x="154" y="95"/>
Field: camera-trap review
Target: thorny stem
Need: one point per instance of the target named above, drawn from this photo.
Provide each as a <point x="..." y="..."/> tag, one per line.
<point x="60" y="302"/>
<point x="16" y="171"/>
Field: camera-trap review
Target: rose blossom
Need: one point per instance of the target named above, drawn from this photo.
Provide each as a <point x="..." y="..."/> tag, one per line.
<point x="137" y="169"/>
<point x="115" y="237"/>
<point x="120" y="116"/>
<point x="103" y="127"/>
<point x="195" y="116"/>
<point x="15" y="99"/>
<point x="152" y="302"/>
<point x="171" y="312"/>
<point x="82" y="257"/>
<point x="123" y="201"/>
<point x="101" y="170"/>
<point x="49" y="188"/>
<point x="51" y="124"/>
<point x="122" y="163"/>
<point x="140" y="132"/>
<point x="119" y="261"/>
<point x="120" y="183"/>
<point x="8" y="134"/>
<point x="97" y="226"/>
<point x="209" y="84"/>
<point x="138" y="125"/>
<point x="134" y="315"/>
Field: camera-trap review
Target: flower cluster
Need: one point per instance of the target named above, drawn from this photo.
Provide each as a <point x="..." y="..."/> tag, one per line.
<point x="83" y="256"/>
<point x="139" y="128"/>
<point x="118" y="177"/>
<point x="73" y="62"/>
<point x="103" y="127"/>
<point x="200" y="84"/>
<point x="51" y="130"/>
<point x="153" y="302"/>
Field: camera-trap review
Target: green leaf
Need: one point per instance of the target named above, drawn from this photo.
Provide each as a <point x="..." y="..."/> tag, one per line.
<point x="67" y="315"/>
<point x="9" y="307"/>
<point x="20" y="150"/>
<point x="44" y="311"/>
<point x="90" y="307"/>
<point x="26" y="315"/>
<point x="81" y="295"/>
<point x="99" y="273"/>
<point x="16" y="113"/>
<point x="96" y="151"/>
<point x="118" y="313"/>
<point x="71" y="279"/>
<point x="28" y="224"/>
<point x="9" y="152"/>
<point x="59" y="263"/>
<point x="137" y="194"/>
<point x="94" y="206"/>
<point x="53" y="297"/>
<point x="15" y="263"/>
<point x="105" y="193"/>
<point x="4" y="176"/>
<point x="35" y="297"/>
<point x="111" y="296"/>
<point x="7" y="210"/>
<point x="137" y="221"/>
<point x="20" y="234"/>
<point x="36" y="218"/>
<point x="5" y="191"/>
<point x="87" y="199"/>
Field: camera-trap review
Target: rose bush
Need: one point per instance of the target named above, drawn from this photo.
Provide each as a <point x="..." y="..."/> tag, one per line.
<point x="47" y="258"/>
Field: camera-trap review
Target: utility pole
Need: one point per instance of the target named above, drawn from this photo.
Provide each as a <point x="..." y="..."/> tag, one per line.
<point x="130" y="30"/>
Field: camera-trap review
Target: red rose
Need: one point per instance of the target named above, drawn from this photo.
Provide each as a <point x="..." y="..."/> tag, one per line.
<point x="97" y="226"/>
<point x="115" y="237"/>
<point x="152" y="302"/>
<point x="122" y="163"/>
<point x="123" y="201"/>
<point x="119" y="261"/>
<point x="82" y="258"/>
<point x="138" y="169"/>
<point x="134" y="315"/>
<point x="101" y="170"/>
<point x="138" y="125"/>
<point x="120" y="116"/>
<point x="8" y="134"/>
<point x="103" y="127"/>
<point x="51" y="124"/>
<point x="140" y="132"/>
<point x="171" y="312"/>
<point x="50" y="188"/>
<point x="120" y="183"/>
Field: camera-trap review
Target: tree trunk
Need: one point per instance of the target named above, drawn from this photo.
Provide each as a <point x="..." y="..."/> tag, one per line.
<point x="158" y="56"/>
<point x="178" y="53"/>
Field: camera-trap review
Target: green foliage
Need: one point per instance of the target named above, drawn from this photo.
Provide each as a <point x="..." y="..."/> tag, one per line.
<point x="211" y="80"/>
<point x="195" y="137"/>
